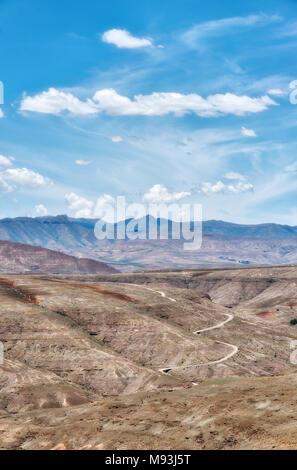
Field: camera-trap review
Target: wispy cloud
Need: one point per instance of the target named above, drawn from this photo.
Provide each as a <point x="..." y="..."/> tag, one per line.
<point x="289" y="29"/>
<point x="226" y="26"/>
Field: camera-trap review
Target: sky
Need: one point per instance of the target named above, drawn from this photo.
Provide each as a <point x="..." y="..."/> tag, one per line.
<point x="173" y="101"/>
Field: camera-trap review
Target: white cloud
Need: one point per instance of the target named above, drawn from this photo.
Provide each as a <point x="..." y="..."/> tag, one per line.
<point x="103" y="208"/>
<point x="55" y="102"/>
<point x="235" y="176"/>
<point x="156" y="104"/>
<point x="116" y="139"/>
<point x="159" y="194"/>
<point x="248" y="132"/>
<point x="83" y="162"/>
<point x="25" y="177"/>
<point x="1" y="114"/>
<point x="4" y="186"/>
<point x="5" y="161"/>
<point x="220" y="187"/>
<point x="12" y="179"/>
<point x="276" y="92"/>
<point x="40" y="209"/>
<point x="81" y="206"/>
<point x="124" y="40"/>
<point x="160" y="104"/>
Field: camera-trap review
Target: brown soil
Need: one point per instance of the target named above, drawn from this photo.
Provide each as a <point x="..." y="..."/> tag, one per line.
<point x="82" y="360"/>
<point x="265" y="314"/>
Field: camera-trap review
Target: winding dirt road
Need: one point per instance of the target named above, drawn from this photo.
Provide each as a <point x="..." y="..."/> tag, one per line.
<point x="153" y="290"/>
<point x="166" y="370"/>
<point x="219" y="325"/>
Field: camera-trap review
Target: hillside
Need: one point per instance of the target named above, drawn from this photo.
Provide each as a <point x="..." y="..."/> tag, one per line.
<point x="20" y="258"/>
<point x="224" y="244"/>
<point x="174" y="360"/>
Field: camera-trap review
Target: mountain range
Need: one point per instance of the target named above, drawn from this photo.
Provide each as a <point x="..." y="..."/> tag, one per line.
<point x="224" y="244"/>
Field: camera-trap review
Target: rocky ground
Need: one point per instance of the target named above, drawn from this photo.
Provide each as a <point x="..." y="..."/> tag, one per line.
<point x="160" y="360"/>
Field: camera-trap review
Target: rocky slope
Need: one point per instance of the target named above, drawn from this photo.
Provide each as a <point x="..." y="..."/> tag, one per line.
<point x="20" y="258"/>
<point x="168" y="360"/>
<point x="235" y="414"/>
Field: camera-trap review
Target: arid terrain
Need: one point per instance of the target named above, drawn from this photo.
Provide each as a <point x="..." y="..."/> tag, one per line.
<point x="156" y="360"/>
<point x="20" y="258"/>
<point x="224" y="244"/>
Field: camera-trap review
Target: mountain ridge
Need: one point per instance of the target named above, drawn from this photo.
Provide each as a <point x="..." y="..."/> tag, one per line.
<point x="224" y="243"/>
<point x="21" y="258"/>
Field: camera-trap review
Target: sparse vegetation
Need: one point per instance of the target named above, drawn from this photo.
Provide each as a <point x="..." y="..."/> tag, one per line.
<point x="95" y="346"/>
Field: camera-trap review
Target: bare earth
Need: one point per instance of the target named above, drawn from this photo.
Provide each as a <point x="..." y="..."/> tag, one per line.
<point x="172" y="360"/>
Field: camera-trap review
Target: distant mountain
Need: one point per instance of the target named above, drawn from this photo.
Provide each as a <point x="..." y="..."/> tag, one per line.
<point x="224" y="243"/>
<point x="58" y="232"/>
<point x="20" y="258"/>
<point x="270" y="231"/>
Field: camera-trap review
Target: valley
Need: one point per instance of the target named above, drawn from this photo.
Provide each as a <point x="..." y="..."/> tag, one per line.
<point x="162" y="360"/>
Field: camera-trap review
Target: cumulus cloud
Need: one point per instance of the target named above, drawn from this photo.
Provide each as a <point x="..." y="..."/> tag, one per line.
<point x="160" y="194"/>
<point x="160" y="104"/>
<point x="55" y="102"/>
<point x="5" y="161"/>
<point x="81" y="206"/>
<point x="12" y="179"/>
<point x="116" y="139"/>
<point x="40" y="209"/>
<point x="1" y="114"/>
<point x="220" y="187"/>
<point x="124" y="40"/>
<point x="155" y="104"/>
<point x="83" y="162"/>
<point x="248" y="132"/>
<point x="102" y="206"/>
<point x="24" y="177"/>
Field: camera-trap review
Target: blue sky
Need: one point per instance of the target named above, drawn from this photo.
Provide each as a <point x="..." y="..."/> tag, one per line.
<point x="158" y="101"/>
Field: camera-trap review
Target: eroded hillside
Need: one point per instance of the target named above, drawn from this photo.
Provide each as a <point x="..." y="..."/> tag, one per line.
<point x="200" y="355"/>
